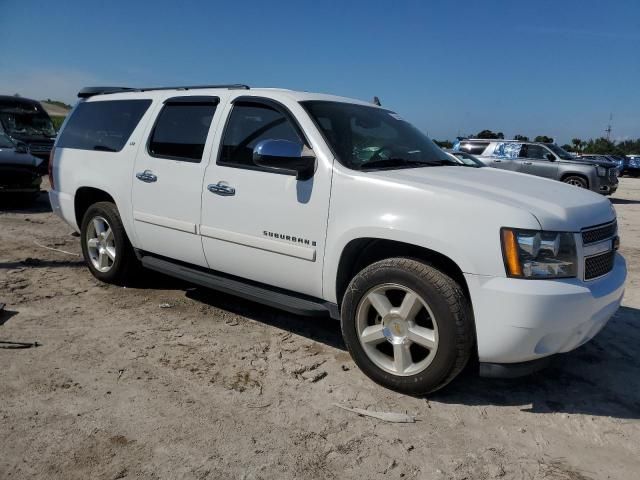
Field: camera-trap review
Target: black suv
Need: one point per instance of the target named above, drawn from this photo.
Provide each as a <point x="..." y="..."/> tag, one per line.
<point x="25" y="121"/>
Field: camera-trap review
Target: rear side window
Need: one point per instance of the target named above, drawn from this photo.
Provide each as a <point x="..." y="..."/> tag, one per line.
<point x="507" y="150"/>
<point x="181" y="130"/>
<point x="102" y="126"/>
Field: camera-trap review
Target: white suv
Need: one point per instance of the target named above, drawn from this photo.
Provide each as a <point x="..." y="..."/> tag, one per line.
<point x="323" y="205"/>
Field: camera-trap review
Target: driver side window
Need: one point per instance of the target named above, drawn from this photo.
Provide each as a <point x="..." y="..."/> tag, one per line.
<point x="536" y="152"/>
<point x="248" y="124"/>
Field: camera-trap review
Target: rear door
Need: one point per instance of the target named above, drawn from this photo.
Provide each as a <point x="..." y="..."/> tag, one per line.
<point x="535" y="161"/>
<point x="504" y="156"/>
<point x="168" y="173"/>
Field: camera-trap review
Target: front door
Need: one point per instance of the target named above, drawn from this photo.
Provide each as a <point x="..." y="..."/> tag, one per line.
<point x="264" y="226"/>
<point x="535" y="160"/>
<point x="169" y="171"/>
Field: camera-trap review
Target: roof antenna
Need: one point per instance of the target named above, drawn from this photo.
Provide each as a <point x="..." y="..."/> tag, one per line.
<point x="376" y="101"/>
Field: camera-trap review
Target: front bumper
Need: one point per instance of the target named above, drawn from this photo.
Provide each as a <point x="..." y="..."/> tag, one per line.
<point x="522" y="320"/>
<point x="605" y="186"/>
<point x="27" y="187"/>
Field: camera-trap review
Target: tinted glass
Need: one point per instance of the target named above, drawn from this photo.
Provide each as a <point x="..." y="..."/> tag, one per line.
<point x="533" y="151"/>
<point x="365" y="138"/>
<point x="102" y="126"/>
<point x="560" y="152"/>
<point x="249" y="124"/>
<point x="181" y="131"/>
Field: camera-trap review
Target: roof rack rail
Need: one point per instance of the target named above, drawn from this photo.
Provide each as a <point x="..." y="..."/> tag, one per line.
<point x="91" y="91"/>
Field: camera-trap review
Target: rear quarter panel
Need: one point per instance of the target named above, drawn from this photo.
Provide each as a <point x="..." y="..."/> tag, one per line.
<point x="111" y="172"/>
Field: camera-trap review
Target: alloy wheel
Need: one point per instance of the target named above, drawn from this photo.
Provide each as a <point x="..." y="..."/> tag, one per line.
<point x="397" y="329"/>
<point x="101" y="244"/>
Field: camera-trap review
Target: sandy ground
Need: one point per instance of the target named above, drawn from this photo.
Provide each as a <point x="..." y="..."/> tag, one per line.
<point x="216" y="387"/>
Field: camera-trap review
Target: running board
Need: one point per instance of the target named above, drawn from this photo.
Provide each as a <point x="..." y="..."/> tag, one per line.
<point x="290" y="302"/>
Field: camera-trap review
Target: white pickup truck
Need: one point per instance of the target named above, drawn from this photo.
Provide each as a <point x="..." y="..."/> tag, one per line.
<point x="322" y="205"/>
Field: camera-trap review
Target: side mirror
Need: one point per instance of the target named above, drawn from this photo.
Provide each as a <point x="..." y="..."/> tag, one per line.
<point x="285" y="157"/>
<point x="551" y="157"/>
<point x="22" y="147"/>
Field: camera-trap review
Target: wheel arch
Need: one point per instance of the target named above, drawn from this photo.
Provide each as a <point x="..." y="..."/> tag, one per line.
<point x="576" y="174"/>
<point x="87" y="196"/>
<point x="361" y="252"/>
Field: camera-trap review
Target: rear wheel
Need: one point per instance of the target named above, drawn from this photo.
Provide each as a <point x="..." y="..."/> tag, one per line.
<point x="105" y="245"/>
<point x="407" y="325"/>
<point x="576" y="181"/>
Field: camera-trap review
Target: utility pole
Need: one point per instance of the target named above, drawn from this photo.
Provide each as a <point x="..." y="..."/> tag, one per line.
<point x="608" y="129"/>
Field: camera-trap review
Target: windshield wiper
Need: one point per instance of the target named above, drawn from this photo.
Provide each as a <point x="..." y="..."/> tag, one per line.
<point x="398" y="162"/>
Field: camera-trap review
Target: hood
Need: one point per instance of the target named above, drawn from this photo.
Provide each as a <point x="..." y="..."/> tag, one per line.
<point x="9" y="157"/>
<point x="589" y="161"/>
<point x="556" y="205"/>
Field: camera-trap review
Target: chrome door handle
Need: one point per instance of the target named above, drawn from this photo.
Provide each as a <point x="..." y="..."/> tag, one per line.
<point x="527" y="163"/>
<point x="221" y="189"/>
<point x="147" y="176"/>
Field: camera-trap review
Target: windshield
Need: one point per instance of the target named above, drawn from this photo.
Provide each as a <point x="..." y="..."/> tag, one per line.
<point x="563" y="154"/>
<point x="368" y="138"/>
<point x="26" y="120"/>
<point x="5" y="141"/>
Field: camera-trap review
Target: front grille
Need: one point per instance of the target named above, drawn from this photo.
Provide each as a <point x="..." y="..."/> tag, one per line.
<point x="613" y="173"/>
<point x="598" y="265"/>
<point x="597" y="234"/>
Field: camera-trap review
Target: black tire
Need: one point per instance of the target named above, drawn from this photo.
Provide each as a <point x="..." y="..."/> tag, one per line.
<point x="126" y="265"/>
<point x="450" y="308"/>
<point x="576" y="181"/>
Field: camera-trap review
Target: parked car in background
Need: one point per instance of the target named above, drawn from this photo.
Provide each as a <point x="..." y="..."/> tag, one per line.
<point x="323" y="205"/>
<point x="465" y="159"/>
<point x="621" y="161"/>
<point x="632" y="166"/>
<point x="618" y="160"/>
<point x="26" y="121"/>
<point x="543" y="160"/>
<point x="20" y="172"/>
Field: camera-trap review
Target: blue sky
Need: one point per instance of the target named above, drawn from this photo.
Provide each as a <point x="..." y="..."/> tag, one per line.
<point x="539" y="67"/>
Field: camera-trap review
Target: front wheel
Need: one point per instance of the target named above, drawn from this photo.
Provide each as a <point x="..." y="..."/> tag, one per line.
<point x="407" y="325"/>
<point x="105" y="245"/>
<point x="576" y="181"/>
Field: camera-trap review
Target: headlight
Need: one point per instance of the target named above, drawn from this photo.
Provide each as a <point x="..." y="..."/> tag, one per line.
<point x="602" y="172"/>
<point x="536" y="254"/>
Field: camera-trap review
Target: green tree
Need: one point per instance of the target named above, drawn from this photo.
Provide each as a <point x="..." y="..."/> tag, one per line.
<point x="489" y="134"/>
<point x="601" y="146"/>
<point x="443" y="143"/>
<point x="522" y="138"/>
<point x="577" y="144"/>
<point x="543" y="139"/>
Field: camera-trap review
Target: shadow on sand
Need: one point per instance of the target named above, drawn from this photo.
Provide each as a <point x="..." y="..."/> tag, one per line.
<point x="601" y="378"/>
